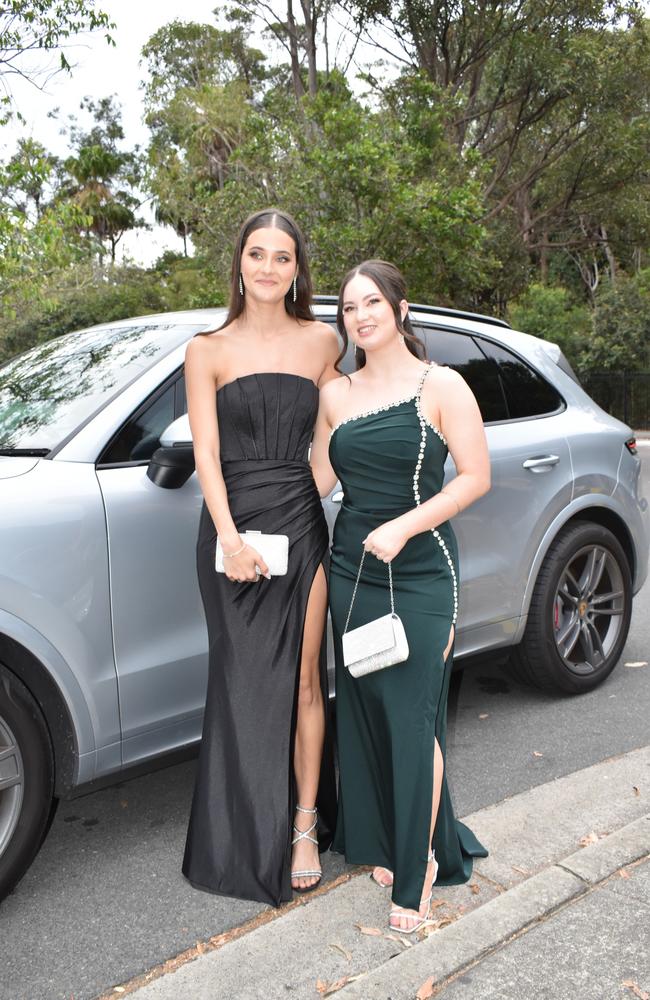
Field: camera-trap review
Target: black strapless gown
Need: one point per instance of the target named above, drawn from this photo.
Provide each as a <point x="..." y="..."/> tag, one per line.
<point x="239" y="836"/>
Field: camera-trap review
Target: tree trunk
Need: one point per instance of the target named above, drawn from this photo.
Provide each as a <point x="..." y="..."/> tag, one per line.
<point x="298" y="87"/>
<point x="543" y="260"/>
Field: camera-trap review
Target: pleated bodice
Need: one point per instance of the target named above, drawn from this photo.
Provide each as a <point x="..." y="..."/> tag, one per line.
<point x="268" y="416"/>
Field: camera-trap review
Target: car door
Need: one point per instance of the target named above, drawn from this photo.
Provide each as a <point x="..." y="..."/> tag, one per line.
<point x="531" y="482"/>
<point x="159" y="631"/>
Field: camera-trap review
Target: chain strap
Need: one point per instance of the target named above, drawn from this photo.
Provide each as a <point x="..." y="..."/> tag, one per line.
<point x="356" y="584"/>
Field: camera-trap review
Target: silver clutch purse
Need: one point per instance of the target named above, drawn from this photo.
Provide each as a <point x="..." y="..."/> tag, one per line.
<point x="377" y="644"/>
<point x="274" y="549"/>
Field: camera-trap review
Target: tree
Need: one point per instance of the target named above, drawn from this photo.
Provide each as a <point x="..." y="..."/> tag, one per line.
<point x="101" y="178"/>
<point x="29" y="28"/>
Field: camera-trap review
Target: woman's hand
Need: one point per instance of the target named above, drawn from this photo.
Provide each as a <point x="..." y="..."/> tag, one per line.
<point x="246" y="566"/>
<point x="386" y="541"/>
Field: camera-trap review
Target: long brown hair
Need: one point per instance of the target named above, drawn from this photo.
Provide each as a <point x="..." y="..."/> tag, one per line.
<point x="390" y="282"/>
<point x="272" y="218"/>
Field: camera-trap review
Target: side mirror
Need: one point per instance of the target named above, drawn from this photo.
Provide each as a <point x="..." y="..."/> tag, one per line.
<point x="172" y="464"/>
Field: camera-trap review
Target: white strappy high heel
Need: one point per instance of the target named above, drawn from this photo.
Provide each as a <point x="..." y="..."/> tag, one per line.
<point x="418" y="920"/>
<point x="316" y="873"/>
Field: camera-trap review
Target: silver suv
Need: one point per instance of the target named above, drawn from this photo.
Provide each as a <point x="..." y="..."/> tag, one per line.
<point x="102" y="638"/>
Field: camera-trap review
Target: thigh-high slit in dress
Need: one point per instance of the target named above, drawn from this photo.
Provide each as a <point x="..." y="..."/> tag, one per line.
<point x="239" y="836"/>
<point x="389" y="460"/>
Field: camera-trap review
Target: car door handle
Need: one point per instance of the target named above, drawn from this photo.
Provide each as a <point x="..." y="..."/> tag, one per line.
<point x="541" y="463"/>
<point x="337" y="497"/>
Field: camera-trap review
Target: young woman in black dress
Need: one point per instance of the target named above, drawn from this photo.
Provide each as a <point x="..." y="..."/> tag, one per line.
<point x="252" y="389"/>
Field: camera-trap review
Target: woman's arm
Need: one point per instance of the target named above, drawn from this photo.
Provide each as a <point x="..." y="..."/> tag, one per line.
<point x="331" y="350"/>
<point x="461" y="423"/>
<point x="321" y="468"/>
<point x="201" y="382"/>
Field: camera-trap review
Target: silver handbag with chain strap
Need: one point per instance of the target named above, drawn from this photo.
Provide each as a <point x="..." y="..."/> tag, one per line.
<point x="378" y="644"/>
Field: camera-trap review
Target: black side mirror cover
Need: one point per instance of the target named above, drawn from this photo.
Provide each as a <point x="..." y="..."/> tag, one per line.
<point x="170" y="468"/>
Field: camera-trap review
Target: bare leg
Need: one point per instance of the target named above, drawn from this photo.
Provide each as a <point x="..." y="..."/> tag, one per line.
<point x="406" y="919"/>
<point x="310" y="729"/>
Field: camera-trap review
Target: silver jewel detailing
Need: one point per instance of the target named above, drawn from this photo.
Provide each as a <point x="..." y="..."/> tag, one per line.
<point x="436" y="430"/>
<point x="371" y="413"/>
<point x="424" y="423"/>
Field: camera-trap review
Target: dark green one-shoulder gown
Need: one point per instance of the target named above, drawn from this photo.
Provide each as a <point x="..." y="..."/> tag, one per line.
<point x="388" y="460"/>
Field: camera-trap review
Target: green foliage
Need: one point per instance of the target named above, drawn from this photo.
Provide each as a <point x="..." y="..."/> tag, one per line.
<point x="28" y="26"/>
<point x="504" y="168"/>
<point x="101" y="178"/>
<point x="81" y="295"/>
<point x="548" y="311"/>
<point x="621" y="321"/>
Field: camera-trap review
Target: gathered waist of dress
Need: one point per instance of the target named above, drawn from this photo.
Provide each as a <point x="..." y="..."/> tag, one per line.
<point x="270" y="463"/>
<point x="383" y="514"/>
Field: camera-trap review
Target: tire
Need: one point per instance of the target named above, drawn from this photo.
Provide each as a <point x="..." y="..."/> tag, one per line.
<point x="580" y="611"/>
<point x="27" y="801"/>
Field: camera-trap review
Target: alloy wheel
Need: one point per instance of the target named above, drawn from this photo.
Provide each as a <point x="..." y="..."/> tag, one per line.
<point x="12" y="783"/>
<point x="588" y="609"/>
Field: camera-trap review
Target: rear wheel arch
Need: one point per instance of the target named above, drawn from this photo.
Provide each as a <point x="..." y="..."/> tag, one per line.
<point x="46" y="693"/>
<point x="603" y="516"/>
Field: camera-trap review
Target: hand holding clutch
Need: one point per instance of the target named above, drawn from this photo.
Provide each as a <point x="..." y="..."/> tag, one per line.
<point x="274" y="550"/>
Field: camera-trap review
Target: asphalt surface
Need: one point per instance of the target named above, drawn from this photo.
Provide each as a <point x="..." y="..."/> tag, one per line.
<point x="105" y="899"/>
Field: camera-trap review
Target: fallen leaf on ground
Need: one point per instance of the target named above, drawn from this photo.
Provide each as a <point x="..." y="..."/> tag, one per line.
<point x="372" y="931"/>
<point x="484" y="715"/>
<point x="426" y="990"/>
<point x="435" y="903"/>
<point x="344" y="951"/>
<point x="629" y="984"/>
<point x="624" y="873"/>
<point x="637" y="663"/>
<point x="200" y="947"/>
<point x="320" y="986"/>
<point x="522" y="871"/>
<point x="397" y="939"/>
<point x="635" y="790"/>
<point x="338" y="985"/>
<point x="536" y="753"/>
<point x="589" y="838"/>
<point x="475" y="889"/>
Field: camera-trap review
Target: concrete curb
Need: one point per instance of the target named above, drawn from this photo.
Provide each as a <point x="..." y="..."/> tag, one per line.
<point x="460" y="945"/>
<point x="340" y="935"/>
<point x="598" y="861"/>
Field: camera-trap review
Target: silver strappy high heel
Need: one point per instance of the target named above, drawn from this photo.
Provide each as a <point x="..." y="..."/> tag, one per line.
<point x="306" y="835"/>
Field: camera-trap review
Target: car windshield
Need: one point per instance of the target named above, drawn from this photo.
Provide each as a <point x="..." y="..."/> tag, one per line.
<point x="49" y="391"/>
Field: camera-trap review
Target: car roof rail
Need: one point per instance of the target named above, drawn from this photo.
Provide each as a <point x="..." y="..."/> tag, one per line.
<point x="325" y="300"/>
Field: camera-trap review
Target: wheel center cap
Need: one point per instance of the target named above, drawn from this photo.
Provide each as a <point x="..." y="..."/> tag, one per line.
<point x="582" y="608"/>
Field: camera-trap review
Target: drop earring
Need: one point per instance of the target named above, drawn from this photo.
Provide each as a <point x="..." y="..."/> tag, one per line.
<point x="294" y="287"/>
<point x="241" y="285"/>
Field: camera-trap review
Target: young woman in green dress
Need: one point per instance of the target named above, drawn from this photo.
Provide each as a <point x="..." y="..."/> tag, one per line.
<point x="385" y="433"/>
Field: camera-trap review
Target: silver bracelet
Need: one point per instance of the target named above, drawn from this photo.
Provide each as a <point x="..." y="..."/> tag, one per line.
<point x="230" y="555"/>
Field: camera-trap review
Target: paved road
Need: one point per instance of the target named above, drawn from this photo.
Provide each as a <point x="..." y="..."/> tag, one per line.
<point x="105" y="899"/>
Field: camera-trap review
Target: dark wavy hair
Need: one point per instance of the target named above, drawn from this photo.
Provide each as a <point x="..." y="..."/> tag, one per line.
<point x="390" y="282"/>
<point x="272" y="218"/>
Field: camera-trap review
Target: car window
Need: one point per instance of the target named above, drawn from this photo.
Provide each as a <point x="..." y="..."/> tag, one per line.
<point x="527" y="393"/>
<point x="461" y="352"/>
<point x="139" y="437"/>
<point x="52" y="389"/>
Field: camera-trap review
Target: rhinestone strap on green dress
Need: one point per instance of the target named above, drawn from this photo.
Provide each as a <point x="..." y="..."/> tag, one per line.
<point x="389" y="460"/>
